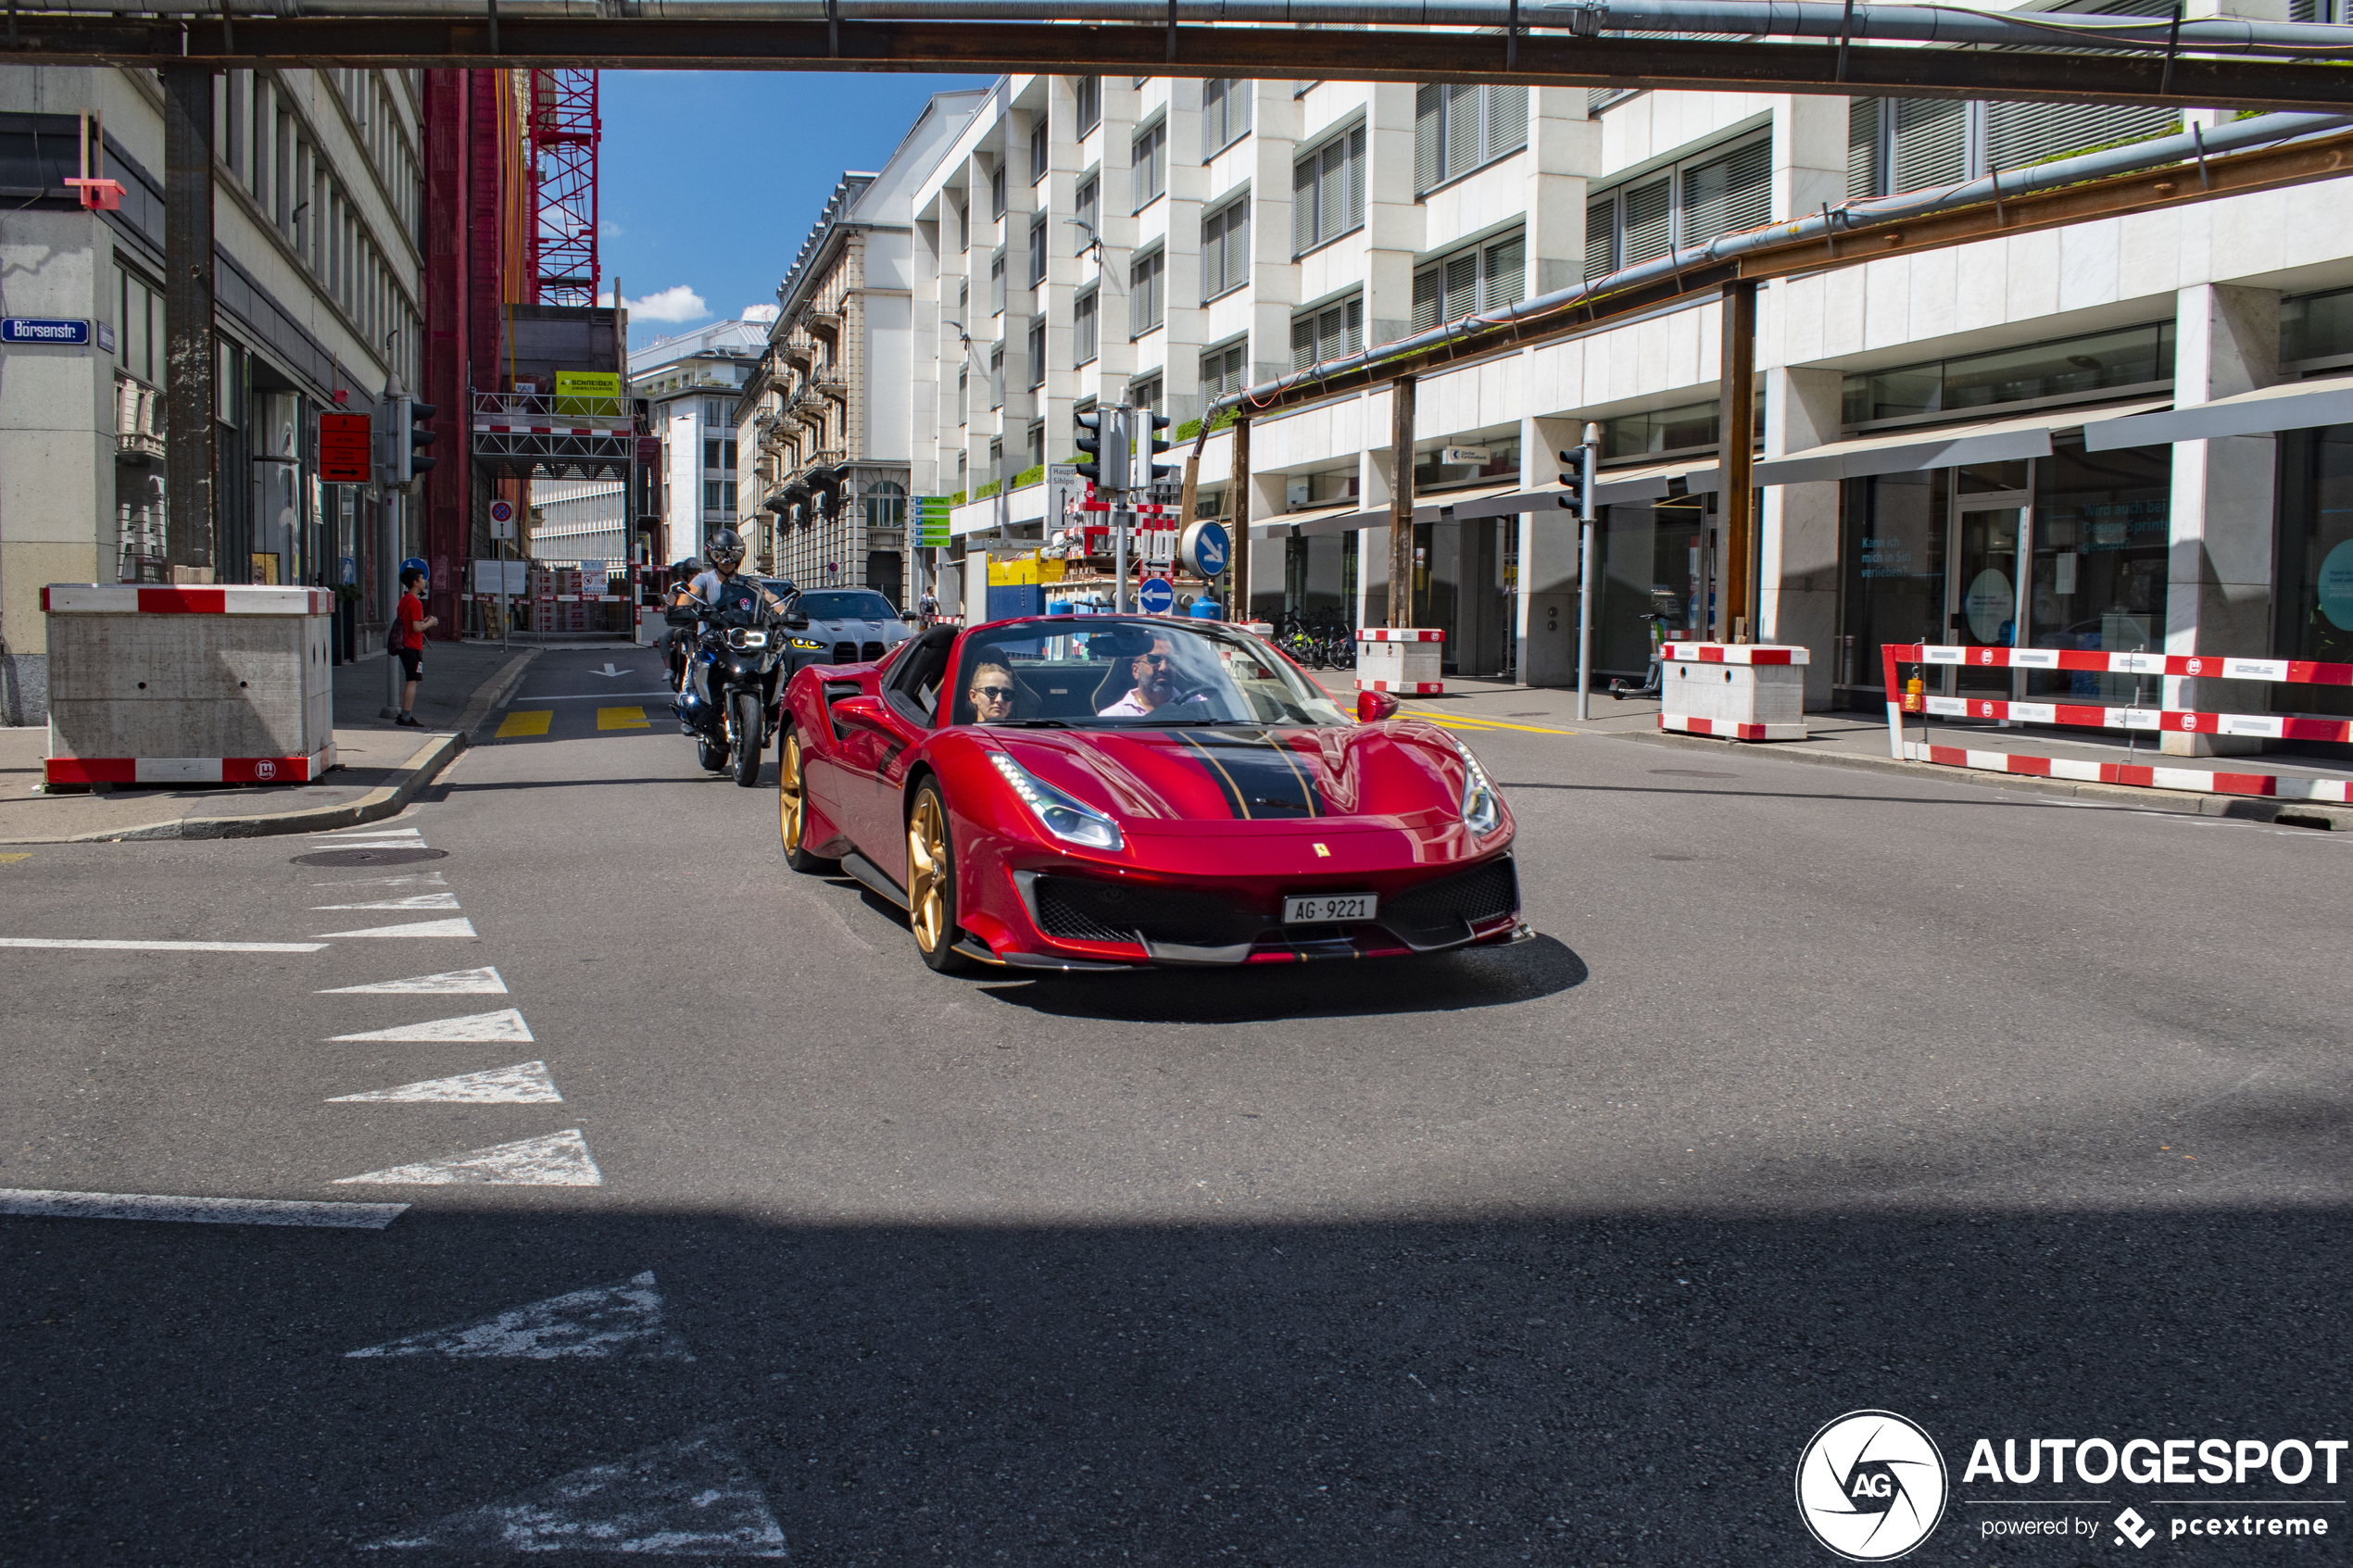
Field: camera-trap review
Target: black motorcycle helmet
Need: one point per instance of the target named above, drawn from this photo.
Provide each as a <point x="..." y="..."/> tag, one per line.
<point x="727" y="549"/>
<point x="686" y="570"/>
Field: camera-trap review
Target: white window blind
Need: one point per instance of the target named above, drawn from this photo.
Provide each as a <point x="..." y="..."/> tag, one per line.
<point x="1480" y="278"/>
<point x="1327" y="190"/>
<point x="1089" y="93"/>
<point x="1149" y="160"/>
<point x="1037" y="350"/>
<point x="1037" y="251"/>
<point x="1039" y="144"/>
<point x="997" y="284"/>
<point x="1145" y="278"/>
<point x="1087" y="206"/>
<point x="1459" y="126"/>
<point x="1718" y="192"/>
<point x="1327" y="333"/>
<point x="1224" y="113"/>
<point x="1727" y="194"/>
<point x="1084" y="328"/>
<point x="1225" y="249"/>
<point x="1223" y="369"/>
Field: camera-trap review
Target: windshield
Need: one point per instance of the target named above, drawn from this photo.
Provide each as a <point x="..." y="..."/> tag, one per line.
<point x="846" y="604"/>
<point x="1106" y="672"/>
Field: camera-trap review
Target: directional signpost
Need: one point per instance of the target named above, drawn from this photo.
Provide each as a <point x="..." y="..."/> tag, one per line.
<point x="931" y="521"/>
<point x="1157" y="597"/>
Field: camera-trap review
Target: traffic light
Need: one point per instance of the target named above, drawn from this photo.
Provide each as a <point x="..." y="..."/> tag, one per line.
<point x="1158" y="470"/>
<point x="409" y="436"/>
<point x="1577" y="480"/>
<point x="1103" y="432"/>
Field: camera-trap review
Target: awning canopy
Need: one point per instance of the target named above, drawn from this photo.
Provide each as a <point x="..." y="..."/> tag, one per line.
<point x="1306" y="524"/>
<point x="2323" y="400"/>
<point x="1988" y="441"/>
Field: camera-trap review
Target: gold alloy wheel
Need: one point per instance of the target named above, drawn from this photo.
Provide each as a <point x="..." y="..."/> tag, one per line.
<point x="927" y="866"/>
<point x="791" y="805"/>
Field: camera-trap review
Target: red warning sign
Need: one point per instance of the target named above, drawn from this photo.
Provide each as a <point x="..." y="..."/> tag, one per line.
<point x="342" y="449"/>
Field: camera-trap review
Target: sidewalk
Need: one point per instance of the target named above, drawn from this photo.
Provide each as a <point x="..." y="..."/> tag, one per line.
<point x="379" y="766"/>
<point x="1860" y="740"/>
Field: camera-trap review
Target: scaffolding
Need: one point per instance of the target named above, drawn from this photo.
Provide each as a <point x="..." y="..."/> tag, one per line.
<point x="564" y="132"/>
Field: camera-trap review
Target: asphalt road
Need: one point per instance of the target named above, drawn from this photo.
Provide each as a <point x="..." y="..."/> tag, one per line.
<point x="1819" y="1091"/>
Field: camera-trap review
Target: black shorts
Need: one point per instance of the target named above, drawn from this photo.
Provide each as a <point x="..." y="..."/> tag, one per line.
<point x="412" y="662"/>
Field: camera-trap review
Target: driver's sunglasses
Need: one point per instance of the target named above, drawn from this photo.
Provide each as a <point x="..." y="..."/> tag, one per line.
<point x="994" y="694"/>
<point x="1155" y="657"/>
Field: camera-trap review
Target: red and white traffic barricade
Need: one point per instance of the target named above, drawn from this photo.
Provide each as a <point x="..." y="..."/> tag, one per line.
<point x="189" y="685"/>
<point x="1740" y="690"/>
<point x="1400" y="658"/>
<point x="2113" y="716"/>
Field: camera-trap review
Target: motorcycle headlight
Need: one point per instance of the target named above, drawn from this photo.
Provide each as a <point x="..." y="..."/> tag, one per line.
<point x="743" y="639"/>
<point x="806" y="643"/>
<point x="1060" y="815"/>
<point x="1482" y="807"/>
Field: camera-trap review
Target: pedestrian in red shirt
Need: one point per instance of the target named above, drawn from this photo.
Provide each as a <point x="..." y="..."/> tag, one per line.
<point x="409" y="624"/>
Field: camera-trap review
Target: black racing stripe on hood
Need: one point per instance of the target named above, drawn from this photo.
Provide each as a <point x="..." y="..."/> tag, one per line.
<point x="1259" y="776"/>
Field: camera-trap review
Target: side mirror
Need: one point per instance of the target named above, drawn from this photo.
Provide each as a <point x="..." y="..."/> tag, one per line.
<point x="860" y="709"/>
<point x="1374" y="707"/>
<point x="796" y="621"/>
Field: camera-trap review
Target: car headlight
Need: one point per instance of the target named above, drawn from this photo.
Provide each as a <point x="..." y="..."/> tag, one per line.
<point x="1061" y="816"/>
<point x="1482" y="807"/>
<point x="806" y="643"/>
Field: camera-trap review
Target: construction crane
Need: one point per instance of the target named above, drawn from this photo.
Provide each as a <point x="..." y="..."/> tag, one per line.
<point x="564" y="132"/>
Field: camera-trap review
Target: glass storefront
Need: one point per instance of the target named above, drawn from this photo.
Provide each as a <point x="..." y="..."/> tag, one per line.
<point x="1463" y="582"/>
<point x="2314" y="556"/>
<point x="1936" y="556"/>
<point x="1649" y="560"/>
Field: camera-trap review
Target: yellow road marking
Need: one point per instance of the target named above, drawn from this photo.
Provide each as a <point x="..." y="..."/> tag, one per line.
<point x="12" y="860"/>
<point x="1472" y="721"/>
<point x="529" y="722"/>
<point x="620" y="719"/>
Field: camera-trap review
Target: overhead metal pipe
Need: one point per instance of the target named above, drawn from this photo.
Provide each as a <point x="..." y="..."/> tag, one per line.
<point x="1857" y="216"/>
<point x="1827" y="20"/>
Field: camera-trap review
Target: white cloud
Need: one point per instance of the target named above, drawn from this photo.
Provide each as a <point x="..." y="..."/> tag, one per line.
<point x="678" y="303"/>
<point x="610" y="230"/>
<point x="760" y="312"/>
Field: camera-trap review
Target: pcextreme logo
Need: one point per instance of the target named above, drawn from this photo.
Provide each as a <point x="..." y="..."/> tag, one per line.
<point x="1871" y="1486"/>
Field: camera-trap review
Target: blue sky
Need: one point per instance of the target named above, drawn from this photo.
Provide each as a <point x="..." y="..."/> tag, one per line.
<point x="708" y="181"/>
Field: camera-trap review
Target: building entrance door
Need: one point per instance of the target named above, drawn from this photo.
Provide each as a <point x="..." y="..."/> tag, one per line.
<point x="1983" y="591"/>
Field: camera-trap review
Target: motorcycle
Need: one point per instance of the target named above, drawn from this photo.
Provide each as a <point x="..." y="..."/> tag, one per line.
<point x="730" y="685"/>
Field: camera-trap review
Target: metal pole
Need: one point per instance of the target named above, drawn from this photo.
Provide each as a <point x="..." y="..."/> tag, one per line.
<point x="1585" y="455"/>
<point x="1401" y="504"/>
<point x="188" y="309"/>
<point x="1736" y="494"/>
<point x="1237" y="489"/>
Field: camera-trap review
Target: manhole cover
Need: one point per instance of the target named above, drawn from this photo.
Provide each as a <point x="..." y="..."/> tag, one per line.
<point x="370" y="857"/>
<point x="1691" y="773"/>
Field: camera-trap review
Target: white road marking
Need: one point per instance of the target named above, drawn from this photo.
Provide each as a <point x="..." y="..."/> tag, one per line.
<point x="198" y="1211"/>
<point x="381" y="844"/>
<point x="592" y="696"/>
<point x="470" y="1028"/>
<point x="559" y="1159"/>
<point x="420" y="879"/>
<point x="417" y="928"/>
<point x="128" y="946"/>
<point x="449" y="983"/>
<point x="693" y="1497"/>
<point x="372" y="833"/>
<point x="526" y="1082"/>
<point x="620" y="1322"/>
<point x="609" y="671"/>
<point x="414" y="901"/>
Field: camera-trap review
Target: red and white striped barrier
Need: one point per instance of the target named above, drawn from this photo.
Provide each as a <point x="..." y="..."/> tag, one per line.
<point x="1734" y="653"/>
<point x="187" y="769"/>
<point x="617" y="427"/>
<point x="1401" y="634"/>
<point x="128" y="599"/>
<point x="1729" y="729"/>
<point x="2203" y="781"/>
<point x="1400" y="658"/>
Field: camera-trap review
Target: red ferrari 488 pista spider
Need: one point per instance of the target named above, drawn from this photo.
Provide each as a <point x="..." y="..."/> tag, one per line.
<point x="1098" y="792"/>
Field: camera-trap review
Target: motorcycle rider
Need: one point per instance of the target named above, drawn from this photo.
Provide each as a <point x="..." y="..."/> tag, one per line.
<point x="719" y="593"/>
<point x="680" y="595"/>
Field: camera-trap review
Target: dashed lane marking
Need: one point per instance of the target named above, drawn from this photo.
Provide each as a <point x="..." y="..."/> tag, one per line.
<point x="559" y="1159"/>
<point x="341" y="834"/>
<point x="418" y="879"/>
<point x="414" y="928"/>
<point x="533" y="721"/>
<point x="11" y="859"/>
<point x="621" y="718"/>
<point x="506" y="1024"/>
<point x="618" y="1322"/>
<point x="449" y="983"/>
<point x="415" y="901"/>
<point x="198" y="1211"/>
<point x="692" y="1496"/>
<point x="526" y="1082"/>
<point x="129" y="947"/>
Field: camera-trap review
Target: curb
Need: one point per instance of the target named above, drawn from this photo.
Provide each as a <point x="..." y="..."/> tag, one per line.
<point x="419" y="770"/>
<point x="2243" y="807"/>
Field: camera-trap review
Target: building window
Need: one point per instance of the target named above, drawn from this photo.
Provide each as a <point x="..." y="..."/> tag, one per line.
<point x="997" y="457"/>
<point x="1038" y="251"/>
<point x="1223" y="369"/>
<point x="1037" y="351"/>
<point x="1039" y="144"/>
<point x="1722" y="191"/>
<point x="997" y="191"/>
<point x="997" y="282"/>
<point x="1328" y="192"/>
<point x="1145" y="305"/>
<point x="1148" y="160"/>
<point x="1084" y="328"/>
<point x="2316" y="330"/>
<point x="1225" y="248"/>
<point x="1036" y="443"/>
<point x="1327" y="333"/>
<point x="715" y="412"/>
<point x="1225" y="114"/>
<point x="963" y="396"/>
<point x="2134" y="356"/>
<point x="1145" y="395"/>
<point x="997" y="377"/>
<point x="885" y="505"/>
<point x="963" y="472"/>
<point x="963" y="300"/>
<point x="710" y="494"/>
<point x="1088" y="93"/>
<point x="1911" y="143"/>
<point x="1090" y="193"/>
<point x="963" y="226"/>
<point x="1459" y="126"/>
<point x="728" y="495"/>
<point x="1483" y="276"/>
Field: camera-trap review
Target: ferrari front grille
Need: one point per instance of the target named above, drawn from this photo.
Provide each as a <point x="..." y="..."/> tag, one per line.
<point x="1444" y="909"/>
<point x="845" y="652"/>
<point x="1084" y="909"/>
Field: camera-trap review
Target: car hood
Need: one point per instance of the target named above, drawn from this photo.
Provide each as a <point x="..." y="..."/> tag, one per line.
<point x="887" y="633"/>
<point x="1399" y="774"/>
